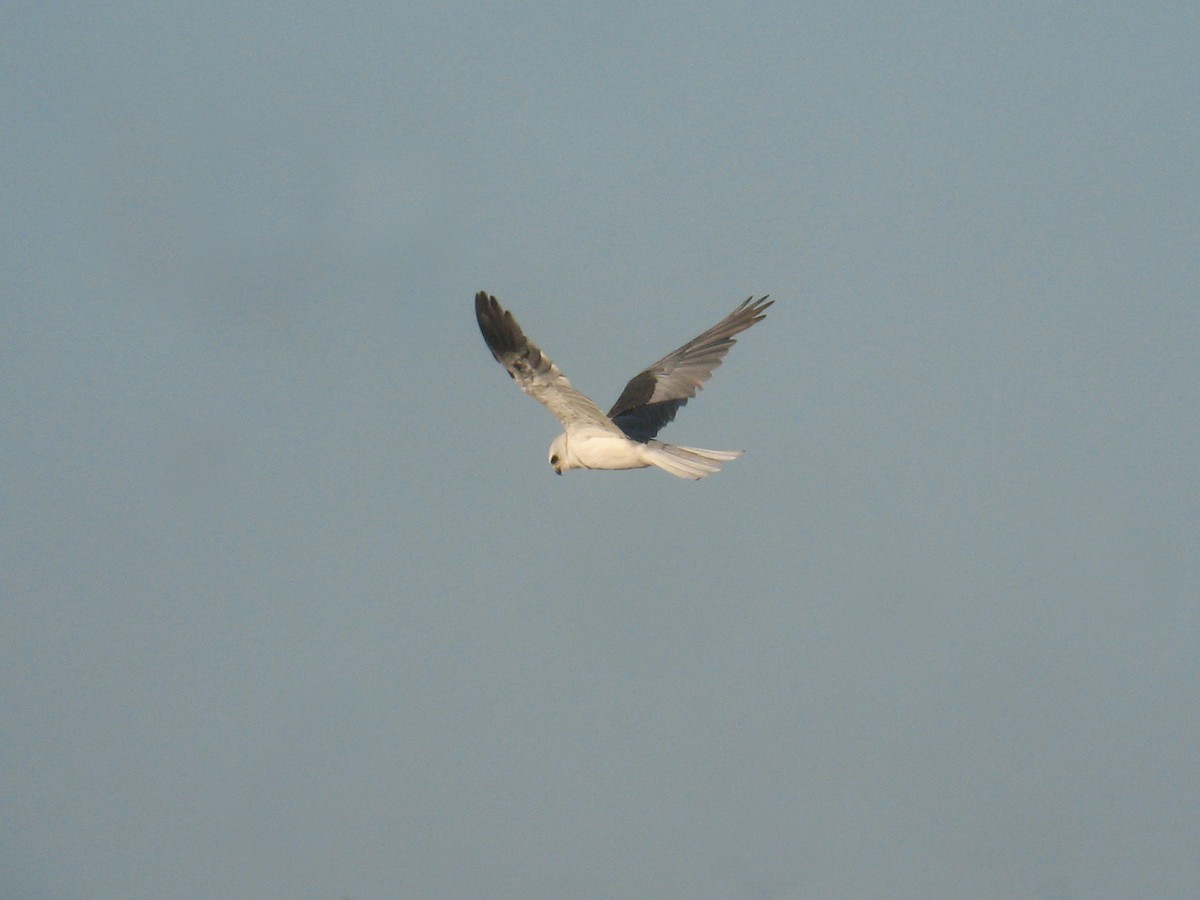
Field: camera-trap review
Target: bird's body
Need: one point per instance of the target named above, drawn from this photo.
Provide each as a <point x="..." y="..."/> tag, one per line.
<point x="625" y="438"/>
<point x="591" y="447"/>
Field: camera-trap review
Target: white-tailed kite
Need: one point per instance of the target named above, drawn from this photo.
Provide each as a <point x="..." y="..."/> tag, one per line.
<point x="625" y="438"/>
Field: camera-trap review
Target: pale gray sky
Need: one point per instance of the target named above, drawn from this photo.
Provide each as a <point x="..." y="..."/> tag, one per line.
<point x="293" y="605"/>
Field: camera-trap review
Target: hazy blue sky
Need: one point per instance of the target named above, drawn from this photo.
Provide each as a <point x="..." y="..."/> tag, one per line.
<point x="293" y="605"/>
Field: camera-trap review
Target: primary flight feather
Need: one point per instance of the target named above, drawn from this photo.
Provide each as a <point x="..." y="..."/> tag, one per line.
<point x="625" y="438"/>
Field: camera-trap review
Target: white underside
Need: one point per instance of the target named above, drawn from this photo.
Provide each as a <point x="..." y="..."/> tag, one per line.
<point x="602" y="449"/>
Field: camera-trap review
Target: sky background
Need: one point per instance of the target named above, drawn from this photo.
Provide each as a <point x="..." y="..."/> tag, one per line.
<point x="292" y="605"/>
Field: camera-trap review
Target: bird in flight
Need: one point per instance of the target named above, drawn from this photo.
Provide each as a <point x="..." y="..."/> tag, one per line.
<point x="626" y="437"/>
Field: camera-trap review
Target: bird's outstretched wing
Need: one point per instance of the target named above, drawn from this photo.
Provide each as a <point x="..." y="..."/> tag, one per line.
<point x="531" y="369"/>
<point x="653" y="397"/>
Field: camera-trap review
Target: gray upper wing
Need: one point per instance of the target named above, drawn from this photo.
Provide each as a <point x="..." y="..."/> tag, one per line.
<point x="531" y="369"/>
<point x="654" y="396"/>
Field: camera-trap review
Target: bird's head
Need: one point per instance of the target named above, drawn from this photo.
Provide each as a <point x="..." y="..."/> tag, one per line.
<point x="558" y="455"/>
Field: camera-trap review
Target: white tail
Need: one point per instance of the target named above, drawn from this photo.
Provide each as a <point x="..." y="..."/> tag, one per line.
<point x="689" y="462"/>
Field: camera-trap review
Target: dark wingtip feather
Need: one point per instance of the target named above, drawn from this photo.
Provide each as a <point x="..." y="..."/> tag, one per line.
<point x="500" y="330"/>
<point x="757" y="307"/>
